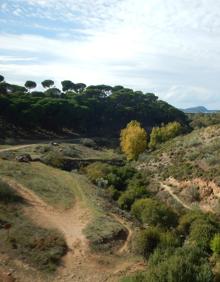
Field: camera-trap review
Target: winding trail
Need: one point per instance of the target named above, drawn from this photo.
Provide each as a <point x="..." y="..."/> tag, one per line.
<point x="125" y="247"/>
<point x="168" y="189"/>
<point x="70" y="222"/>
<point x="79" y="264"/>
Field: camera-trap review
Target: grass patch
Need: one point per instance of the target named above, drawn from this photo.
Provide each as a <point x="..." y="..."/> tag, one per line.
<point x="54" y="186"/>
<point x="39" y="247"/>
<point x="104" y="233"/>
<point x="7" y="194"/>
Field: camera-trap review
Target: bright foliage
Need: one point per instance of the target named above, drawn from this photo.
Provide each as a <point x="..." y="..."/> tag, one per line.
<point x="133" y="140"/>
<point x="164" y="133"/>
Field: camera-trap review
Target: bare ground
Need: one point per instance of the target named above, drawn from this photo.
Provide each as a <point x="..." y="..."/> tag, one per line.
<point x="169" y="190"/>
<point x="79" y="264"/>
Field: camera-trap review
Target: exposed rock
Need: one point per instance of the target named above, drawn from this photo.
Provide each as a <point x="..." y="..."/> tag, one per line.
<point x="26" y="158"/>
<point x="205" y="192"/>
<point x="54" y="144"/>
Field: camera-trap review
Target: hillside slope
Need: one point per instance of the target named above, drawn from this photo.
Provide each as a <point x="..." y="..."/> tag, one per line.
<point x="189" y="164"/>
<point x="53" y="199"/>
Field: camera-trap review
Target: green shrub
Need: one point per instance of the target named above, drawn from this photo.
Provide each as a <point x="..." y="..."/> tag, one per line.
<point x="97" y="170"/>
<point x="153" y="212"/>
<point x="181" y="265"/>
<point x="215" y="244"/>
<point x="88" y="143"/>
<point x="104" y="232"/>
<point x="201" y="233"/>
<point x="53" y="159"/>
<point x="189" y="217"/>
<point x="113" y="193"/>
<point x="119" y="177"/>
<point x="138" y="207"/>
<point x="127" y="198"/>
<point x="168" y="240"/>
<point x="146" y="241"/>
<point x="139" y="277"/>
<point x="8" y="195"/>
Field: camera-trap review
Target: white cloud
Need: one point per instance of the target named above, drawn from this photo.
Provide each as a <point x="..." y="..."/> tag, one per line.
<point x="168" y="46"/>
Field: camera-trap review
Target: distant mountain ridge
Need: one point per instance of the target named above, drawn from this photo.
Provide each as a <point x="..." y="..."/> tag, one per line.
<point x="199" y="109"/>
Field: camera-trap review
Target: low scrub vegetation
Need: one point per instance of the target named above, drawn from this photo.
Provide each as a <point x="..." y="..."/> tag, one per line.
<point x="104" y="233"/>
<point x="203" y="120"/>
<point x="152" y="212"/>
<point x="39" y="247"/>
<point x="181" y="264"/>
<point x="56" y="187"/>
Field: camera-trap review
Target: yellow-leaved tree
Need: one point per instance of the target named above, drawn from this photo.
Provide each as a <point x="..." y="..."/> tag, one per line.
<point x="133" y="140"/>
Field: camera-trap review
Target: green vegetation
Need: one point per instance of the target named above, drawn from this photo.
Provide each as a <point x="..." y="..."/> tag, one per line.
<point x="161" y="134"/>
<point x="182" y="264"/>
<point x="39" y="247"/>
<point x="153" y="212"/>
<point x="146" y="241"/>
<point x="122" y="184"/>
<point x="215" y="244"/>
<point x="56" y="187"/>
<point x="104" y="232"/>
<point x="179" y="244"/>
<point x="195" y="155"/>
<point x="97" y="171"/>
<point x="83" y="109"/>
<point x="203" y="120"/>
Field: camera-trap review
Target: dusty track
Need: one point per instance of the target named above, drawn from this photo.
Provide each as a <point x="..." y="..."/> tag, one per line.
<point x="70" y="222"/>
<point x="168" y="189"/>
<point x="15" y="148"/>
<point x="79" y="265"/>
<point x="124" y="248"/>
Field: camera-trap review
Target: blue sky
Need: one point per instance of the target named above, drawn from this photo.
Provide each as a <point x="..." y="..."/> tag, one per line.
<point x="169" y="47"/>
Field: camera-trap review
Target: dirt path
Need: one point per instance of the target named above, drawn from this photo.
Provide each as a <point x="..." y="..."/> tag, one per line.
<point x="80" y="264"/>
<point x="70" y="222"/>
<point x="15" y="148"/>
<point x="168" y="189"/>
<point x="125" y="246"/>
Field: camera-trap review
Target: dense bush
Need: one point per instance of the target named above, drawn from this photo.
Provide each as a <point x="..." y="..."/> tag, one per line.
<point x="54" y="159"/>
<point x="119" y="177"/>
<point x="153" y="212"/>
<point x="127" y="198"/>
<point x="187" y="220"/>
<point x="8" y="195"/>
<point x="181" y="265"/>
<point x="104" y="233"/>
<point x="215" y="244"/>
<point x="201" y="233"/>
<point x="146" y="241"/>
<point x="184" y="265"/>
<point x="153" y="238"/>
<point x="97" y="170"/>
<point x="137" y="188"/>
<point x="198" y="228"/>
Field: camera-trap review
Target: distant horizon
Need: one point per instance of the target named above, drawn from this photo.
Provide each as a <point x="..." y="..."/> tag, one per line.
<point x="167" y="47"/>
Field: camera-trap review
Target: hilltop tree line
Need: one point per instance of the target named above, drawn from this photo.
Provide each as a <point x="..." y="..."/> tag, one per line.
<point x="91" y="110"/>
